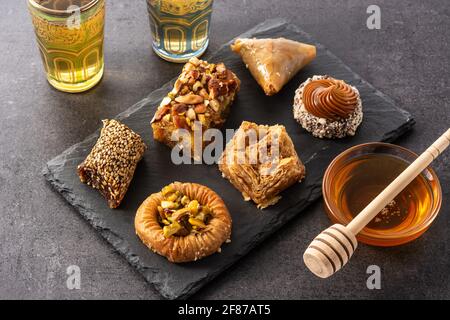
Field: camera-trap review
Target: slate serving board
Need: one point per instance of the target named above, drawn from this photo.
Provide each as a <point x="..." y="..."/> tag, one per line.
<point x="383" y="121"/>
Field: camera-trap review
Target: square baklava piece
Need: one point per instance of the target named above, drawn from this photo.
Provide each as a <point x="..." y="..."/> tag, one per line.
<point x="260" y="161"/>
<point x="110" y="165"/>
<point x="200" y="99"/>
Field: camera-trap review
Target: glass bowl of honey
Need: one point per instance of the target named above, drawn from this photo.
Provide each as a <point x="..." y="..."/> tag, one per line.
<point x="356" y="176"/>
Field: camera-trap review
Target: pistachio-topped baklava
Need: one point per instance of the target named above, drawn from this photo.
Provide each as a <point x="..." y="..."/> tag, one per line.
<point x="110" y="165"/>
<point x="183" y="222"/>
<point x="202" y="94"/>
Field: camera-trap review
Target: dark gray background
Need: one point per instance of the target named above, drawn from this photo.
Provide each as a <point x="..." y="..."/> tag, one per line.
<point x="41" y="235"/>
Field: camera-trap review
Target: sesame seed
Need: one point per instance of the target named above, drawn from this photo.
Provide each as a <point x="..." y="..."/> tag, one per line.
<point x="113" y="160"/>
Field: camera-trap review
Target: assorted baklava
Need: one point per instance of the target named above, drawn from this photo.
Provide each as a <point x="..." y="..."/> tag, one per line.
<point x="183" y="222"/>
<point x="188" y="221"/>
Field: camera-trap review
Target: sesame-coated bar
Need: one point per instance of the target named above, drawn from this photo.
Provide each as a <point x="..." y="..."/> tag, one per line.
<point x="110" y="165"/>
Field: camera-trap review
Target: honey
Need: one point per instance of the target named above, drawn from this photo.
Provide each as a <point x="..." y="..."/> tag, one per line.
<point x="364" y="177"/>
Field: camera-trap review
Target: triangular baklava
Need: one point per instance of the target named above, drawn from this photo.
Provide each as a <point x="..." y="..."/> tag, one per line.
<point x="273" y="62"/>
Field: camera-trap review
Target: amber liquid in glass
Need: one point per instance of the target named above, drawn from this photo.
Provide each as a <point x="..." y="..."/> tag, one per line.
<point x="180" y="28"/>
<point x="365" y="177"/>
<point x="71" y="49"/>
<point x="62" y="4"/>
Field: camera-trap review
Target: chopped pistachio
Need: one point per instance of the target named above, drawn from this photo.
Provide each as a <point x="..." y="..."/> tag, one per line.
<point x="179" y="215"/>
<point x="185" y="200"/>
<point x="171" y="229"/>
<point x="197" y="223"/>
<point x="168" y="204"/>
<point x="173" y="197"/>
<point x="166" y="190"/>
<point x="193" y="206"/>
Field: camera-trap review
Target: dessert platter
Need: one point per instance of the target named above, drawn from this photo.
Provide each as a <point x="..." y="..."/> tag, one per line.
<point x="180" y="225"/>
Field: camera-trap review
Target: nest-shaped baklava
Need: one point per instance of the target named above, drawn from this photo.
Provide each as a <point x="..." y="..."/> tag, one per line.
<point x="183" y="222"/>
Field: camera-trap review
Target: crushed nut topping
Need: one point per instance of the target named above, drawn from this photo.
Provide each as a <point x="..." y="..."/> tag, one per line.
<point x="190" y="99"/>
<point x="181" y="216"/>
<point x="202" y="91"/>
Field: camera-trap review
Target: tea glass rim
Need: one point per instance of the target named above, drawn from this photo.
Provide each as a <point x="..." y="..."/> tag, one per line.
<point x="55" y="12"/>
<point x="334" y="213"/>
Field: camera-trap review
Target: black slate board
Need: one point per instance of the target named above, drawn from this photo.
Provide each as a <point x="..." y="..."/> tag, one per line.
<point x="383" y="121"/>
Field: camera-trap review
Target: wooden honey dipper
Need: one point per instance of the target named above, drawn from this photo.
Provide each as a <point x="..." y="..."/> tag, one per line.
<point x="332" y="249"/>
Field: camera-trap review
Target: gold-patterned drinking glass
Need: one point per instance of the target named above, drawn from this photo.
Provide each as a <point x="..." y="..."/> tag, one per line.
<point x="70" y="38"/>
<point x="180" y="28"/>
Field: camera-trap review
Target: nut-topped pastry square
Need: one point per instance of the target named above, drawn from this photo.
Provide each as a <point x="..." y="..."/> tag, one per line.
<point x="202" y="94"/>
<point x="261" y="161"/>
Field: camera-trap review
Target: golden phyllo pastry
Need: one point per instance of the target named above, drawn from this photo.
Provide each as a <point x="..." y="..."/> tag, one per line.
<point x="183" y="222"/>
<point x="260" y="161"/>
<point x="273" y="62"/>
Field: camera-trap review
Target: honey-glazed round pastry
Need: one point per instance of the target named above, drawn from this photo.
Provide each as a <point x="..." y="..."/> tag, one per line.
<point x="183" y="222"/>
<point x="328" y="107"/>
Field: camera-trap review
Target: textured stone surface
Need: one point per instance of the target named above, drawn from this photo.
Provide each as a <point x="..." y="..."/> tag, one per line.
<point x="41" y="235"/>
<point x="383" y="122"/>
